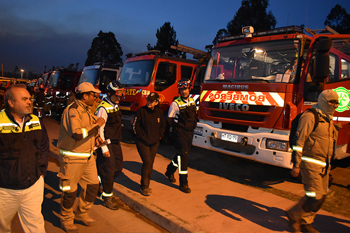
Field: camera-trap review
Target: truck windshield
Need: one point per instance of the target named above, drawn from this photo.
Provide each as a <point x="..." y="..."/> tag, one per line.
<point x="54" y="78"/>
<point x="269" y="61"/>
<point x="89" y="75"/>
<point x="137" y="73"/>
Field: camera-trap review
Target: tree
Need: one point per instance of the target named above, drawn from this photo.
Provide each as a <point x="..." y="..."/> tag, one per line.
<point x="251" y="13"/>
<point x="104" y="48"/>
<point x="166" y="36"/>
<point x="338" y="19"/>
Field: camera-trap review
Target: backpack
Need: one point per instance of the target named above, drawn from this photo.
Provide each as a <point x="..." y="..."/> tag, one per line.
<point x="294" y="127"/>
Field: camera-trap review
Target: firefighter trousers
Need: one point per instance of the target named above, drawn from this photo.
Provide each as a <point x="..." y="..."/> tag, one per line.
<point x="316" y="188"/>
<point x="147" y="154"/>
<point x="182" y="143"/>
<point x="109" y="168"/>
<point x="76" y="171"/>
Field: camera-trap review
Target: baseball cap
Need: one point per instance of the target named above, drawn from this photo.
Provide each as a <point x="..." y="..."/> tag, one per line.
<point x="86" y="87"/>
<point x="153" y="96"/>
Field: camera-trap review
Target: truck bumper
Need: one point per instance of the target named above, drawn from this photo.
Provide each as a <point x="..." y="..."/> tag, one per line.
<point x="249" y="145"/>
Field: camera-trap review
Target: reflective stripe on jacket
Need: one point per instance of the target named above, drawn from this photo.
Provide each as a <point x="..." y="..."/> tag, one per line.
<point x="187" y="116"/>
<point x="78" y="129"/>
<point x="315" y="148"/>
<point x="23" y="153"/>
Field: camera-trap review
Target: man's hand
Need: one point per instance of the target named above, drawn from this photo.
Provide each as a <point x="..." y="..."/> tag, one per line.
<point x="98" y="141"/>
<point x="100" y="121"/>
<point x="107" y="154"/>
<point x="295" y="171"/>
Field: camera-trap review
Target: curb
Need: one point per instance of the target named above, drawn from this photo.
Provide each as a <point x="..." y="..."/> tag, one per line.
<point x="157" y="215"/>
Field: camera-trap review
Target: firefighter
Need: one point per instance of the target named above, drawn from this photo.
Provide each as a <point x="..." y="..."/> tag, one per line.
<point x="2" y="97"/>
<point x="77" y="138"/>
<point x="39" y="101"/>
<point x="314" y="150"/>
<point x="109" y="156"/>
<point x="182" y="119"/>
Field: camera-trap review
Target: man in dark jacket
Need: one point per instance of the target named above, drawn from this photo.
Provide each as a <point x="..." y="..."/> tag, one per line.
<point x="314" y="151"/>
<point x="109" y="156"/>
<point x="149" y="127"/>
<point x="24" y="153"/>
<point x="182" y="118"/>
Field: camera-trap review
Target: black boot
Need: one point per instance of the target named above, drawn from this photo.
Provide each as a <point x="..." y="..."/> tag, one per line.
<point x="170" y="176"/>
<point x="184" y="188"/>
<point x="308" y="228"/>
<point x="184" y="184"/>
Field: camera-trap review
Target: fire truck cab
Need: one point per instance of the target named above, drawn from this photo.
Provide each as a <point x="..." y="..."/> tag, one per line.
<point x="153" y="71"/>
<point x="256" y="83"/>
<point x="100" y="74"/>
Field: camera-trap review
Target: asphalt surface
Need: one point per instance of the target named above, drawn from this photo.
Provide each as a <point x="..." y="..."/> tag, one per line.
<point x="219" y="202"/>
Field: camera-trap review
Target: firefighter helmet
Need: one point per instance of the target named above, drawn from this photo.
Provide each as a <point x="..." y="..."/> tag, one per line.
<point x="115" y="87"/>
<point x="184" y="83"/>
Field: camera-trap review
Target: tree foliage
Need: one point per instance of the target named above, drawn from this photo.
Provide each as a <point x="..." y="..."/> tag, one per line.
<point x="166" y="36"/>
<point x="251" y="13"/>
<point x="104" y="48"/>
<point x="338" y="19"/>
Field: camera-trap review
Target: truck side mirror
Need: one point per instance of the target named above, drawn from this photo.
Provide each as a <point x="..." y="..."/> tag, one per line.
<point x="320" y="67"/>
<point x="321" y="59"/>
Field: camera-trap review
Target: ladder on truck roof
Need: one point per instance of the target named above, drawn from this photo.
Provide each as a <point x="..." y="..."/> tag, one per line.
<point x="337" y="44"/>
<point x="196" y="52"/>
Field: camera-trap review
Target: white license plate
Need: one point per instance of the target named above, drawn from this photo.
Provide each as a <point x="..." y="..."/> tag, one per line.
<point x="229" y="137"/>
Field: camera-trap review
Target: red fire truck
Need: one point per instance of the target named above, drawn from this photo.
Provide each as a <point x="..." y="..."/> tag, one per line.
<point x="60" y="83"/>
<point x="256" y="83"/>
<point x="153" y="71"/>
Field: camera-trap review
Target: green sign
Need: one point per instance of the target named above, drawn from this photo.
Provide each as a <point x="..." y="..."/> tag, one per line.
<point x="344" y="99"/>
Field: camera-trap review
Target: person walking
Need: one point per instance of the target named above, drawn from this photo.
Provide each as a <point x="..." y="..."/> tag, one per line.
<point x="314" y="150"/>
<point x="149" y="126"/>
<point x="109" y="156"/>
<point x="182" y="118"/>
<point x="2" y="97"/>
<point x="78" y="136"/>
<point x="39" y="101"/>
<point x="24" y="155"/>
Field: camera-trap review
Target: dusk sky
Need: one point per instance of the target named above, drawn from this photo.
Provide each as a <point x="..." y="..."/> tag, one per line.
<point x="39" y="33"/>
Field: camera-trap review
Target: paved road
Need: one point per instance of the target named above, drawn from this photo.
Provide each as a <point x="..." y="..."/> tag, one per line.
<point x="205" y="162"/>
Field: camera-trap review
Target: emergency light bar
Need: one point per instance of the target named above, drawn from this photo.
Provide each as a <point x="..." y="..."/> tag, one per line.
<point x="247" y="30"/>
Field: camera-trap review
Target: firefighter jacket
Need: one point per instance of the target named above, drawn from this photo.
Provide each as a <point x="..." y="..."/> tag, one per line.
<point x="186" y="117"/>
<point x="78" y="131"/>
<point x="24" y="153"/>
<point x="113" y="128"/>
<point x="149" y="125"/>
<point x="315" y="148"/>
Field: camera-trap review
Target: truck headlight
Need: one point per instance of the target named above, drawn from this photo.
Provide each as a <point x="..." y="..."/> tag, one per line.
<point x="276" y="145"/>
<point x="198" y="131"/>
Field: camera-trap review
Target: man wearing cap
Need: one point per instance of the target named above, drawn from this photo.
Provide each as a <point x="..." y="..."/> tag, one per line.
<point x="109" y="155"/>
<point x="182" y="118"/>
<point x="77" y="137"/>
<point x="149" y="127"/>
